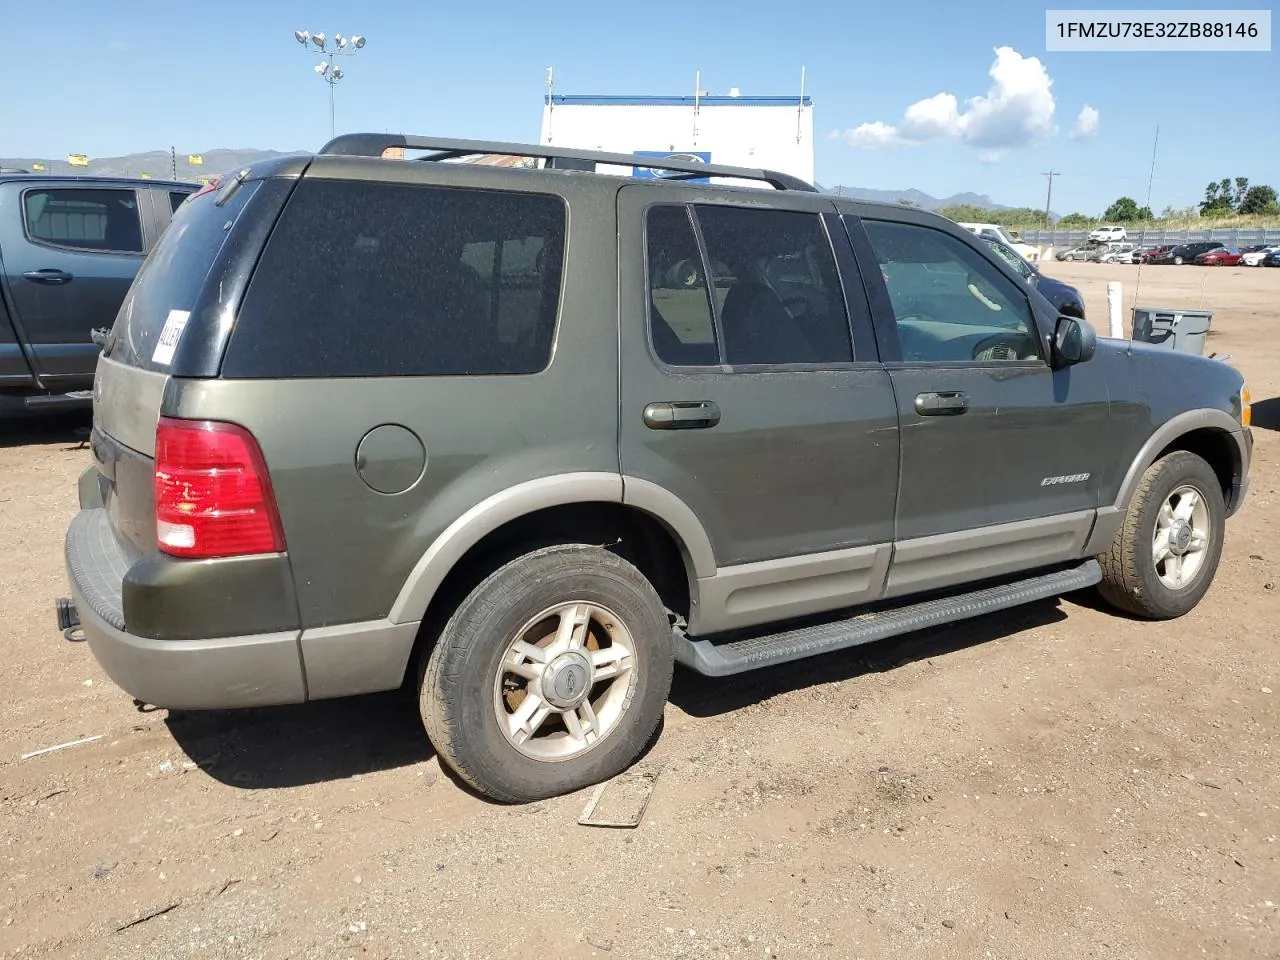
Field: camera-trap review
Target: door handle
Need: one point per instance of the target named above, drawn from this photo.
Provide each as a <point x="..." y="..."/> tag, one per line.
<point x="949" y="404"/>
<point x="681" y="415"/>
<point x="49" y="275"/>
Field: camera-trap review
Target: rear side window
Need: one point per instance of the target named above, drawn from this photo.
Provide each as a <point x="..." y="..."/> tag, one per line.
<point x="172" y="278"/>
<point x="375" y="280"/>
<point x="175" y="199"/>
<point x="84" y="219"/>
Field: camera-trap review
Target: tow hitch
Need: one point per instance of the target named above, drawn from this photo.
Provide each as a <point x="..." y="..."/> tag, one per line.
<point x="68" y="619"/>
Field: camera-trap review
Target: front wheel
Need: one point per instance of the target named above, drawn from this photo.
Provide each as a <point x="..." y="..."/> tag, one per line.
<point x="1164" y="558"/>
<point x="1177" y="261"/>
<point x="550" y="676"/>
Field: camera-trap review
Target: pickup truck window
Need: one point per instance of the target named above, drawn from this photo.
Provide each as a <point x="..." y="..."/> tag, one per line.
<point x="104" y="220"/>
<point x="175" y="199"/>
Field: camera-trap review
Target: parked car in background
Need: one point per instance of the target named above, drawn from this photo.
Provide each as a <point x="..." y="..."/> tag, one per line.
<point x="69" y="249"/>
<point x="994" y="231"/>
<point x="1116" y="253"/>
<point x="1062" y="295"/>
<point x="1253" y="256"/>
<point x="1151" y="254"/>
<point x="1080" y="252"/>
<point x="1219" y="257"/>
<point x="1109" y="234"/>
<point x="1187" y="252"/>
<point x="1272" y="259"/>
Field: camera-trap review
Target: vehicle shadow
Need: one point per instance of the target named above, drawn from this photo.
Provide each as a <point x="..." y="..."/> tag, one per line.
<point x="1266" y="414"/>
<point x="27" y="429"/>
<point x="272" y="747"/>
<point x="275" y="747"/>
<point x="701" y="696"/>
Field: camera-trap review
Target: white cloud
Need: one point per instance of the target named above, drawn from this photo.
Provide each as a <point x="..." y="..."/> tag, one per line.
<point x="873" y="135"/>
<point x="1017" y="110"/>
<point x="1086" y="124"/>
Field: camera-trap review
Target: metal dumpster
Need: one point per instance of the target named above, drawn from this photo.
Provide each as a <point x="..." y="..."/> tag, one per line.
<point x="1172" y="328"/>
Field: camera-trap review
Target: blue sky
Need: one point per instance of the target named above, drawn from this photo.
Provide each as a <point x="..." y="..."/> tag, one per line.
<point x="134" y="76"/>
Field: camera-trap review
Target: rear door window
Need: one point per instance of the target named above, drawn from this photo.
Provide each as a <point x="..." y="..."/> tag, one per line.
<point x="376" y="280"/>
<point x="78" y="218"/>
<point x="766" y="292"/>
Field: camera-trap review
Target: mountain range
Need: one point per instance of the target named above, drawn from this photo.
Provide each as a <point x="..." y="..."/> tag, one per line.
<point x="157" y="164"/>
<point x="918" y="197"/>
<point x="160" y="165"/>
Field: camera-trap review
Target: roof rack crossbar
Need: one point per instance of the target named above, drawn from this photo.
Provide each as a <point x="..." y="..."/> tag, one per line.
<point x="376" y="144"/>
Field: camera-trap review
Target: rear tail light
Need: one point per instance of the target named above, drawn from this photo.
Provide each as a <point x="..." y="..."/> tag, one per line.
<point x="213" y="493"/>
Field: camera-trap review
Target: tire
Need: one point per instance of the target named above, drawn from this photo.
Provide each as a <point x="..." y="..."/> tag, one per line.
<point x="1177" y="261"/>
<point x="1131" y="575"/>
<point x="464" y="685"/>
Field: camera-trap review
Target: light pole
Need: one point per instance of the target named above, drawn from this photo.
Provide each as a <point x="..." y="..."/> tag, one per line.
<point x="340" y="47"/>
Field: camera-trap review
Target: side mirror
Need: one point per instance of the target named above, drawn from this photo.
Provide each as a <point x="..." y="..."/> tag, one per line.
<point x="1074" y="341"/>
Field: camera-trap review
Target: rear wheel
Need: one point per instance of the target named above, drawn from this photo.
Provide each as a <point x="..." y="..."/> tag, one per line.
<point x="550" y="676"/>
<point x="1164" y="558"/>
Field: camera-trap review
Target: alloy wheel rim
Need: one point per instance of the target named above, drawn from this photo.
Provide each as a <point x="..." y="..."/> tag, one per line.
<point x="1181" y="537"/>
<point x="564" y="682"/>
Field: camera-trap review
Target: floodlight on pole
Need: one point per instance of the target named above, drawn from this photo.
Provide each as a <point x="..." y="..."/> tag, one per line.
<point x="342" y="46"/>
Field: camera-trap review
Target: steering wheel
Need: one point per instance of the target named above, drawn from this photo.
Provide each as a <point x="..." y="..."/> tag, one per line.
<point x="1003" y="346"/>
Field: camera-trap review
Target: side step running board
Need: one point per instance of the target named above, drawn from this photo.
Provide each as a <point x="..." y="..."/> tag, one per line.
<point x="723" y="659"/>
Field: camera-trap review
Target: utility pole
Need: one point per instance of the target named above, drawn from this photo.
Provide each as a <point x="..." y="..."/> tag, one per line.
<point x="173" y="160"/>
<point x="1049" y="174"/>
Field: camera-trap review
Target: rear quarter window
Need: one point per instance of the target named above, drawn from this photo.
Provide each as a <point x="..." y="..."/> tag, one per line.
<point x="376" y="280"/>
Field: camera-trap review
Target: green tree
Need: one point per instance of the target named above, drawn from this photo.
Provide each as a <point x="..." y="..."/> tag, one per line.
<point x="1217" y="199"/>
<point x="1126" y="210"/>
<point x="907" y="203"/>
<point x="1260" y="199"/>
<point x="1242" y="188"/>
<point x="967" y="212"/>
<point x="1077" y="220"/>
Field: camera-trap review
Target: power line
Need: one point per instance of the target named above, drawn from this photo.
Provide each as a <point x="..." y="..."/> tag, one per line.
<point x="1049" y="174"/>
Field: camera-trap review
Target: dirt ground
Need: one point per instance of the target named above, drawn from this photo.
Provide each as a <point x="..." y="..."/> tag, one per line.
<point x="1054" y="782"/>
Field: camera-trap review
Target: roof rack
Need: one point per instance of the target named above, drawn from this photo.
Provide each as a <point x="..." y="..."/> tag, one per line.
<point x="376" y="144"/>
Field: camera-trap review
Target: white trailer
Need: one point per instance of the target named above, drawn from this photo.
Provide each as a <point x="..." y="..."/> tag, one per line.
<point x="771" y="133"/>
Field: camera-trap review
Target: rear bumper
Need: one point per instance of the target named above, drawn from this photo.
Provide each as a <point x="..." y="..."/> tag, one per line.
<point x="244" y="671"/>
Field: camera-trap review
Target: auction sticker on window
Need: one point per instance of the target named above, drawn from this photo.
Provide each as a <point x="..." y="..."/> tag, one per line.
<point x="1138" y="31"/>
<point x="174" y="324"/>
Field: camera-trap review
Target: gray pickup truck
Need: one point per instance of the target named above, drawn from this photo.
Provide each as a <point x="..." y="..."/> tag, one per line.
<point x="69" y="248"/>
<point x="525" y="439"/>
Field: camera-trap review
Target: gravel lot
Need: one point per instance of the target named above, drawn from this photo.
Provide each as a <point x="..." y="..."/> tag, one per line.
<point x="1055" y="782"/>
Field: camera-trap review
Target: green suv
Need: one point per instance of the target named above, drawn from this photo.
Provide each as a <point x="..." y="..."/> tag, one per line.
<point x="526" y="438"/>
